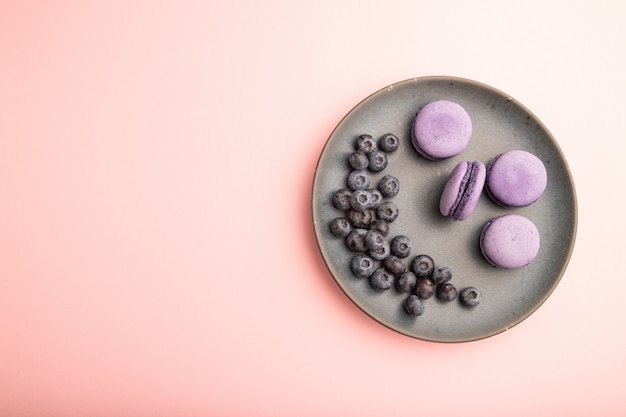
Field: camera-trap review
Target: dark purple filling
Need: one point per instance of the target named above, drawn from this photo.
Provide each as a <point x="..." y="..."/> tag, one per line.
<point x="466" y="189"/>
<point x="458" y="203"/>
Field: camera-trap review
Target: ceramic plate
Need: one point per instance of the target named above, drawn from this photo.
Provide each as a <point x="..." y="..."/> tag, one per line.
<point x="500" y="124"/>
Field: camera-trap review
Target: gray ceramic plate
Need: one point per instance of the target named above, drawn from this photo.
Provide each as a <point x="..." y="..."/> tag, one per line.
<point x="500" y="123"/>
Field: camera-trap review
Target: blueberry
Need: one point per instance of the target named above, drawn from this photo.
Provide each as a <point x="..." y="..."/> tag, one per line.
<point x="356" y="240"/>
<point x="423" y="265"/>
<point x="341" y="199"/>
<point x="381" y="253"/>
<point x="340" y="227"/>
<point x="358" y="160"/>
<point x="388" y="211"/>
<point x="377" y="198"/>
<point x="374" y="239"/>
<point x="361" y="219"/>
<point x="366" y="144"/>
<point x="362" y="266"/>
<point x="388" y="143"/>
<point x="381" y="279"/>
<point x="424" y="288"/>
<point x="394" y="265"/>
<point x="470" y="296"/>
<point x="377" y="161"/>
<point x="389" y="186"/>
<point x="406" y="282"/>
<point x="413" y="305"/>
<point x="360" y="200"/>
<point x="446" y="292"/>
<point x="381" y="225"/>
<point x="441" y="275"/>
<point x="401" y="246"/>
<point x="359" y="180"/>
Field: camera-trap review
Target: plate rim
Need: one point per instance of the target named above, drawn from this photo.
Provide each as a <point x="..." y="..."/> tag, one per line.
<point x="537" y="120"/>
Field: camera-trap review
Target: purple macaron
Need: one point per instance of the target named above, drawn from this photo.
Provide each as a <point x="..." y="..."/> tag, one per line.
<point x="441" y="129"/>
<point x="516" y="179"/>
<point x="462" y="190"/>
<point x="509" y="241"/>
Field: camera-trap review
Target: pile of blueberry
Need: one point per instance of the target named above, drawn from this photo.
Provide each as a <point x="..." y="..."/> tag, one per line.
<point x="368" y="212"/>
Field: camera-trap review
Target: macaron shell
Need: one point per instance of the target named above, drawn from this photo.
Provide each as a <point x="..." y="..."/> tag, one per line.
<point x="510" y="241"/>
<point x="452" y="191"/>
<point x="516" y="179"/>
<point x="473" y="192"/>
<point x="463" y="189"/>
<point x="441" y="129"/>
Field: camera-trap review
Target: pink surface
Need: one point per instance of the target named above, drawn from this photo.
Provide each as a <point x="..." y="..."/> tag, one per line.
<point x="156" y="250"/>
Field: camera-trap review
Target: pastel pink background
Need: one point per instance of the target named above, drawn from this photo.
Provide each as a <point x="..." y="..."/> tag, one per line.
<point x="156" y="250"/>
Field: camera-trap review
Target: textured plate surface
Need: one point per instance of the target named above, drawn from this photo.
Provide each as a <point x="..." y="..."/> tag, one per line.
<point x="500" y="124"/>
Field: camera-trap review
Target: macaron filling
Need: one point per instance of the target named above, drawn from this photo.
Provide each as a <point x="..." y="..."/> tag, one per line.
<point x="462" y="190"/>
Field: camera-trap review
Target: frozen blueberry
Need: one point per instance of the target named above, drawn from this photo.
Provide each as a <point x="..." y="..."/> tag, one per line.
<point x="401" y="246"/>
<point x="377" y="161"/>
<point x="388" y="211"/>
<point x="423" y="265"/>
<point x="381" y="225"/>
<point x="413" y="305"/>
<point x="380" y="253"/>
<point x="394" y="265"/>
<point x="446" y="292"/>
<point x="360" y="200"/>
<point x="377" y="198"/>
<point x="358" y="160"/>
<point x="381" y="279"/>
<point x="359" y="180"/>
<point x="406" y="282"/>
<point x="356" y="240"/>
<point x="389" y="186"/>
<point x="470" y="296"/>
<point x="388" y="143"/>
<point x="374" y="239"/>
<point x="340" y="227"/>
<point x="341" y="199"/>
<point x="366" y="144"/>
<point x="441" y="275"/>
<point x="361" y="219"/>
<point x="424" y="288"/>
<point x="362" y="266"/>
